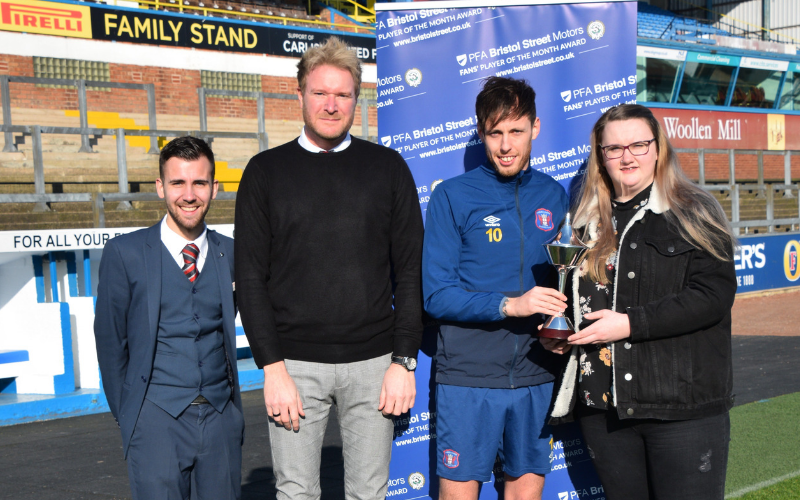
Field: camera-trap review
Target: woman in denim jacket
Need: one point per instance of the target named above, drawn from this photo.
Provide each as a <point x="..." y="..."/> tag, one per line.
<point x="649" y="377"/>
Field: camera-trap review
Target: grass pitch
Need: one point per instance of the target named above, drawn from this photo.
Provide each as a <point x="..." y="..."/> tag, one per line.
<point x="765" y="445"/>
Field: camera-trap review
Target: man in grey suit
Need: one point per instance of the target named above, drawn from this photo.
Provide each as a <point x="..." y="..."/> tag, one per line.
<point x="166" y="341"/>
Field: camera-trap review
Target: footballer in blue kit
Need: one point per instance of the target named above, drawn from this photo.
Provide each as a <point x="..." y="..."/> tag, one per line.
<point x="486" y="278"/>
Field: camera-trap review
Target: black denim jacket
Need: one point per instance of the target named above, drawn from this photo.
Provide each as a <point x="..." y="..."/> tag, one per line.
<point x="676" y="364"/>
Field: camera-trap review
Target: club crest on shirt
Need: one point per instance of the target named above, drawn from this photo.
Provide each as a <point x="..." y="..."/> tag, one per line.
<point x="544" y="219"/>
<point x="450" y="459"/>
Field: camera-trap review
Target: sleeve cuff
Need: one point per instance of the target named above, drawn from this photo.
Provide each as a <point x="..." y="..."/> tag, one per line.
<point x="503" y="303"/>
<point x="406" y="347"/>
<point x="638" y="321"/>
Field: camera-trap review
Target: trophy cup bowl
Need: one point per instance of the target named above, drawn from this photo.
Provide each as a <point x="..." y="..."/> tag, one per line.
<point x="564" y="254"/>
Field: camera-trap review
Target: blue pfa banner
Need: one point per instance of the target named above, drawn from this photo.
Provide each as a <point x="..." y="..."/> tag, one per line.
<point x="767" y="262"/>
<point x="580" y="58"/>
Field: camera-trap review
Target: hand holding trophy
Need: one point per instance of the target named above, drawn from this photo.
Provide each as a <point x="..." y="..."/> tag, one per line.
<point x="564" y="253"/>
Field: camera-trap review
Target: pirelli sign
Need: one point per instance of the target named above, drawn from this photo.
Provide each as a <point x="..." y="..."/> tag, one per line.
<point x="106" y="22"/>
<point x="46" y="18"/>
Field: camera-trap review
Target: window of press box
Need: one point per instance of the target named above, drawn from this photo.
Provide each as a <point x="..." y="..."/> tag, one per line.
<point x="705" y="84"/>
<point x="656" y="79"/>
<point x="790" y="95"/>
<point x="756" y="88"/>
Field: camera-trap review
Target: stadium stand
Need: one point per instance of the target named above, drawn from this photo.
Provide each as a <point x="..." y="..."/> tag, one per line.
<point x="654" y="22"/>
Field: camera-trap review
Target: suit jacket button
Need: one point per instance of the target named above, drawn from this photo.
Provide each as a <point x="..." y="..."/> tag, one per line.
<point x="628" y="377"/>
<point x="633" y="245"/>
<point x="631" y="275"/>
<point x="627" y="345"/>
<point x="144" y="380"/>
<point x="630" y="411"/>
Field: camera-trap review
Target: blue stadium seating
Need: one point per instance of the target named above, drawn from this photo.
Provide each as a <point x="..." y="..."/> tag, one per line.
<point x="654" y="22"/>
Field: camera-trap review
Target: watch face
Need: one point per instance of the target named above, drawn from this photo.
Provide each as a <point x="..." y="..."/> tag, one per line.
<point x="411" y="363"/>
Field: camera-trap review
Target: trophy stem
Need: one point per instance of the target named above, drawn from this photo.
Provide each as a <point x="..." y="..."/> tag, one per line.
<point x="562" y="279"/>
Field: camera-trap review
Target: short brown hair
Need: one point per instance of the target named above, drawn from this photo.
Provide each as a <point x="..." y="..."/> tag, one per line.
<point x="504" y="98"/>
<point x="186" y="148"/>
<point x="334" y="52"/>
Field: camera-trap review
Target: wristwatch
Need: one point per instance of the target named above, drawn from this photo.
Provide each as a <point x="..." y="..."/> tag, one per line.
<point x="406" y="362"/>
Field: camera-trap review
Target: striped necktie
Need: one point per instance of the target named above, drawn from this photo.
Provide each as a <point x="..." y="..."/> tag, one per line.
<point x="190" y="253"/>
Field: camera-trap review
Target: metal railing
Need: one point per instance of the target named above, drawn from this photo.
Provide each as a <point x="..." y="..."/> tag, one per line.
<point x="787" y="163"/>
<point x="81" y="84"/>
<point x="719" y="15"/>
<point x="359" y="12"/>
<point x="42" y="199"/>
<point x="203" y="93"/>
<point x="763" y="190"/>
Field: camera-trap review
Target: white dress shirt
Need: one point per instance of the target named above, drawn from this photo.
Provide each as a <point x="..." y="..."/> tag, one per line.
<point x="306" y="143"/>
<point x="175" y="244"/>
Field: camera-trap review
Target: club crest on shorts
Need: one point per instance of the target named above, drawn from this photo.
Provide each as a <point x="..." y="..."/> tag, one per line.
<point x="544" y="219"/>
<point x="450" y="459"/>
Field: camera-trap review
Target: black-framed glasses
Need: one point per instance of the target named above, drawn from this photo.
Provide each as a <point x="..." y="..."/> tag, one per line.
<point x="638" y="148"/>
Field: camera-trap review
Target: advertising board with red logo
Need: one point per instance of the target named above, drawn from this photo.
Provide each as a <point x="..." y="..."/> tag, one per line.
<point x="689" y="128"/>
<point x="153" y="27"/>
<point x="46" y="18"/>
<point x="767" y="262"/>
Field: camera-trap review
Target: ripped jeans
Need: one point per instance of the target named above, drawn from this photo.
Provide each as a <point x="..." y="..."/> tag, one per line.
<point x="647" y="459"/>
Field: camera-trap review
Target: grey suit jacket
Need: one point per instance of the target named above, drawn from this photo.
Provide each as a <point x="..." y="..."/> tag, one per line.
<point x="127" y="313"/>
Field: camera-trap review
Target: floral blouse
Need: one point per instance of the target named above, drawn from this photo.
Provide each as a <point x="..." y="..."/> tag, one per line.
<point x="595" y="375"/>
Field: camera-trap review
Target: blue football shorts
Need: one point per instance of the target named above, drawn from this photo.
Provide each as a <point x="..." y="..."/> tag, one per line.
<point x="474" y="424"/>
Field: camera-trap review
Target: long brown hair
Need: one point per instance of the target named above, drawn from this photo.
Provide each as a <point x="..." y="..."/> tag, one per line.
<point x="696" y="215"/>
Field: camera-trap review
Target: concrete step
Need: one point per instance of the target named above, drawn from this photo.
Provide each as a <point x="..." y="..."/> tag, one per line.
<point x="17" y="208"/>
<point x="18" y="216"/>
<point x="71" y="174"/>
<point x="30" y="226"/>
<point x="49" y="217"/>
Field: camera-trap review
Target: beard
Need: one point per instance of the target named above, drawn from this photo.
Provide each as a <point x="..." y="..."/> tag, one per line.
<point x="182" y="222"/>
<point x="509" y="171"/>
<point x="329" y="135"/>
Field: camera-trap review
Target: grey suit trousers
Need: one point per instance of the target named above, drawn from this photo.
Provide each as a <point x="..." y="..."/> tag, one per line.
<point x="355" y="389"/>
<point x="166" y="453"/>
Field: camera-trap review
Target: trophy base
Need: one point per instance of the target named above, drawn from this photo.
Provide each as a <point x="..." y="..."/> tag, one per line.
<point x="550" y="333"/>
<point x="556" y="327"/>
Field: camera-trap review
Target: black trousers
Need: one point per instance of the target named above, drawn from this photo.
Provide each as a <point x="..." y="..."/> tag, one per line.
<point x="648" y="459"/>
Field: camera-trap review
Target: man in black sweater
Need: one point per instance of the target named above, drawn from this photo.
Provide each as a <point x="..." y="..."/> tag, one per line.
<point x="325" y="226"/>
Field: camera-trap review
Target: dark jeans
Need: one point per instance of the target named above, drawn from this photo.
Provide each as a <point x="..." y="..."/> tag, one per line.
<point x="648" y="459"/>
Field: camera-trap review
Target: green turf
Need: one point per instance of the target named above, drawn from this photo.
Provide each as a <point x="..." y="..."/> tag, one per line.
<point x="765" y="444"/>
<point x="787" y="490"/>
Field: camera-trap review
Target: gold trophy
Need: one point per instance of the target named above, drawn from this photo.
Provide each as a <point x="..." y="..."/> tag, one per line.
<point x="565" y="253"/>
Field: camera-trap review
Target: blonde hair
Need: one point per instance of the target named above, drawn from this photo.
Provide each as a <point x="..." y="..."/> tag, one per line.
<point x="334" y="52"/>
<point x="696" y="215"/>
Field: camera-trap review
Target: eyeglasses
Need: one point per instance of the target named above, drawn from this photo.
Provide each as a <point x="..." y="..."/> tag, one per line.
<point x="615" y="151"/>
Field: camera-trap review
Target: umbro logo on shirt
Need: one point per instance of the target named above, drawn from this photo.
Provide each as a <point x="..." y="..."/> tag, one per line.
<point x="492" y="221"/>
